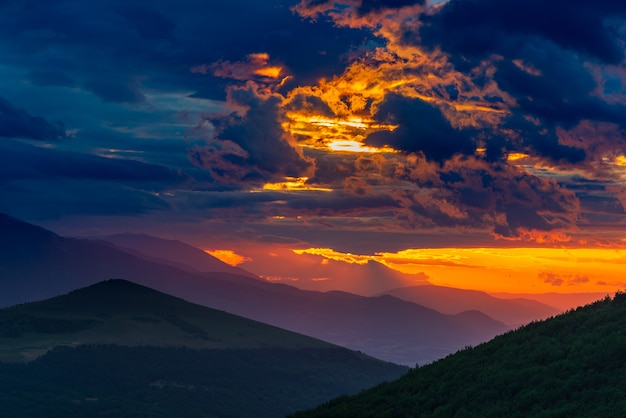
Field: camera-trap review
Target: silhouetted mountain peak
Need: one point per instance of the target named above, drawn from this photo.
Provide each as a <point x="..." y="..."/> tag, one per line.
<point x="172" y="252"/>
<point x="15" y="230"/>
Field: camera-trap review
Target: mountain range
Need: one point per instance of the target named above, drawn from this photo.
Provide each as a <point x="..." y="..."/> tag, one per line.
<point x="513" y="312"/>
<point x="172" y="252"/>
<point x="117" y="348"/>
<point x="36" y="264"/>
<point x="571" y="365"/>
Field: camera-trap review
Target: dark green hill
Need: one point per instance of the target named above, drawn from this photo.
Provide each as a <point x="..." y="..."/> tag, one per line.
<point x="120" y="349"/>
<point x="125" y="313"/>
<point x="572" y="365"/>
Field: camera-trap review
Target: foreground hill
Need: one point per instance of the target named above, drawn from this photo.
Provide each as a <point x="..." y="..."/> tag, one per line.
<point x="36" y="264"/>
<point x="125" y="313"/>
<point x="120" y="349"/>
<point x="514" y="311"/>
<point x="572" y="365"/>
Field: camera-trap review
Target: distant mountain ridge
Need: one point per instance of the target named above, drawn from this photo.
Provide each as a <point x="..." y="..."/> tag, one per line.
<point x="173" y="252"/>
<point x="571" y="365"/>
<point x="41" y="264"/>
<point x="561" y="301"/>
<point x="513" y="312"/>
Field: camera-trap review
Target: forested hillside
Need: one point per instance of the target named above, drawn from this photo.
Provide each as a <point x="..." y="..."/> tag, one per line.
<point x="118" y="349"/>
<point x="572" y="365"/>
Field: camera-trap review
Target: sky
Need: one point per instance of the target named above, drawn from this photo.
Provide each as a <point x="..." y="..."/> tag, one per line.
<point x="472" y="143"/>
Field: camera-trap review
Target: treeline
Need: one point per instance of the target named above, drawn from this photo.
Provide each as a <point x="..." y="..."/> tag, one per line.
<point x="572" y="365"/>
<point x="121" y="381"/>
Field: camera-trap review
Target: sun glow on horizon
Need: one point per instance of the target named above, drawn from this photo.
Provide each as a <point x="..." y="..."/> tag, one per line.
<point x="516" y="270"/>
<point x="229" y="257"/>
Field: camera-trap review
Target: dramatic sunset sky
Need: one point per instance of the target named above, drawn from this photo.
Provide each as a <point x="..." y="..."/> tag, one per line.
<point x="479" y="144"/>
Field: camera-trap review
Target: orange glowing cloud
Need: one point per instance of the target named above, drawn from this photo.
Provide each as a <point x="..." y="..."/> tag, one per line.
<point x="255" y="66"/>
<point x="271" y="72"/>
<point x="402" y="68"/>
<point x="345" y="134"/>
<point x="294" y="183"/>
<point x="228" y="256"/>
<point x="331" y="254"/>
<point x="531" y="270"/>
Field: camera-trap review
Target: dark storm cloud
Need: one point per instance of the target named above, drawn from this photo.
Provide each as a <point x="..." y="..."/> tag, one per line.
<point x="50" y="78"/>
<point x="23" y="161"/>
<point x="75" y="197"/>
<point x="150" y="24"/>
<point x="261" y="205"/>
<point x="18" y="123"/>
<point x="421" y="128"/>
<point x="471" y="193"/>
<point x="250" y="142"/>
<point x="543" y="54"/>
<point x="477" y="28"/>
<point x="308" y="104"/>
<point x="368" y="6"/>
<point x="45" y="183"/>
<point x="362" y="7"/>
<point x="116" y="90"/>
<point x="106" y="46"/>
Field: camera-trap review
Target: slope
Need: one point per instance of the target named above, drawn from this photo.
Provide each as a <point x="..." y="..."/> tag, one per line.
<point x="121" y="312"/>
<point x="514" y="311"/>
<point x="38" y="264"/>
<point x="172" y="252"/>
<point x="572" y="365"/>
<point x="120" y="349"/>
<point x="561" y="301"/>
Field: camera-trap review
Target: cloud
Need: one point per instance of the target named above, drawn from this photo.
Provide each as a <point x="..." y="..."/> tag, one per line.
<point x="481" y="27"/>
<point x="18" y="123"/>
<point x="77" y="197"/>
<point x="563" y="279"/>
<point x="421" y="128"/>
<point x="19" y="161"/>
<point x="552" y="71"/>
<point x="249" y="143"/>
<point x="497" y="119"/>
<point x="116" y="89"/>
<point x="50" y="78"/>
<point x="229" y="256"/>
<point x="472" y="193"/>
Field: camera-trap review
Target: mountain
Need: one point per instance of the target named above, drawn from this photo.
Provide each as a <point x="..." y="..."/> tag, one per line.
<point x="367" y="280"/>
<point x="121" y="312"/>
<point x="39" y="264"/>
<point x="571" y="365"/>
<point x="561" y="301"/>
<point x="514" y="311"/>
<point x="121" y="349"/>
<point x="172" y="252"/>
<point x="384" y="327"/>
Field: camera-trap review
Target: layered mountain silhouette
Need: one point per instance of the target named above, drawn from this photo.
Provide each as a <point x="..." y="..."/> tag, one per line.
<point x="514" y="311"/>
<point x="36" y="264"/>
<point x="571" y="365"/>
<point x="172" y="252"/>
<point x="121" y="349"/>
<point x="121" y="312"/>
<point x="561" y="301"/>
